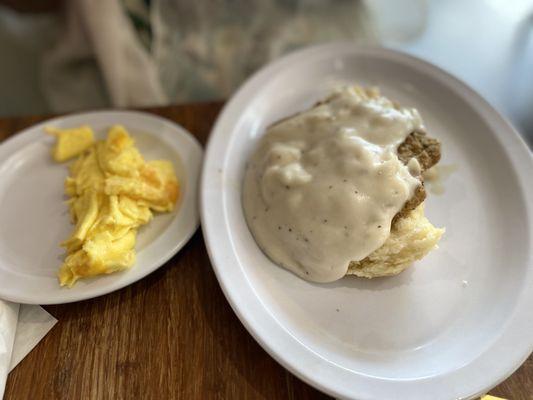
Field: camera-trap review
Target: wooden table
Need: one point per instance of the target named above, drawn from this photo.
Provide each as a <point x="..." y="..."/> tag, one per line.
<point x="171" y="335"/>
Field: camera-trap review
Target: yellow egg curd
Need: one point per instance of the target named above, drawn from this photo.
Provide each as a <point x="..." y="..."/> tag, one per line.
<point x="112" y="192"/>
<point x="70" y="142"/>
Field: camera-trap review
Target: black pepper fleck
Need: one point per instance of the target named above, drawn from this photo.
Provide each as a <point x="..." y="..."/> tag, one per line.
<point x="325" y="221"/>
<point x="330" y="186"/>
<point x="379" y="226"/>
<point x="287" y="187"/>
<point x="290" y="230"/>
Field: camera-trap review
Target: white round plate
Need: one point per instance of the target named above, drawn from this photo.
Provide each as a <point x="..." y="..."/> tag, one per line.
<point x="453" y="325"/>
<point x="34" y="218"/>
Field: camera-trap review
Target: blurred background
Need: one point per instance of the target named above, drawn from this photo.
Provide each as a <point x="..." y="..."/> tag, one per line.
<point x="61" y="56"/>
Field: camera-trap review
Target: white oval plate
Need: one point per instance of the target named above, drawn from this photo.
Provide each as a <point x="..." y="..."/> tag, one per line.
<point x="452" y="326"/>
<point x="34" y="217"/>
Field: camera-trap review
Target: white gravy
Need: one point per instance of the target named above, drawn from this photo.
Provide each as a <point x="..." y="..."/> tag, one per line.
<point x="322" y="187"/>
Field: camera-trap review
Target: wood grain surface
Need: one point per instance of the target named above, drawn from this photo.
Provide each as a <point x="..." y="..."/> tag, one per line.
<point x="170" y="336"/>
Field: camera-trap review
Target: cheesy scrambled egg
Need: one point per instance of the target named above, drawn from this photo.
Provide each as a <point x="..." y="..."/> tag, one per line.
<point x="113" y="192"/>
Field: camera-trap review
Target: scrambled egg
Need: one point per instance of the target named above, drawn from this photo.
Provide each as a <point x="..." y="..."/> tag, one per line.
<point x="70" y="142"/>
<point x="113" y="192"/>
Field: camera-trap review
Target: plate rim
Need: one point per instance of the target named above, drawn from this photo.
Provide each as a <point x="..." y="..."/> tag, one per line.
<point x="510" y="142"/>
<point x="24" y="137"/>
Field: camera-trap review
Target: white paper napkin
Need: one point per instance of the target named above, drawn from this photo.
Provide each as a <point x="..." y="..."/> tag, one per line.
<point x="21" y="328"/>
<point x="8" y="325"/>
